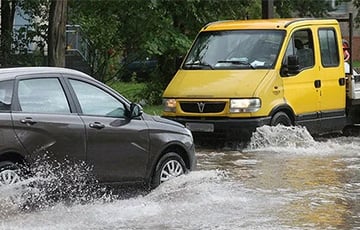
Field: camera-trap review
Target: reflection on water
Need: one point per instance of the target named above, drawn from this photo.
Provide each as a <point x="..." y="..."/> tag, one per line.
<point x="320" y="180"/>
<point x="284" y="179"/>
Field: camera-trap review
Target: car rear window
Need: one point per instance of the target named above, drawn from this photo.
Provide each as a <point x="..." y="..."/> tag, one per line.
<point x="6" y="90"/>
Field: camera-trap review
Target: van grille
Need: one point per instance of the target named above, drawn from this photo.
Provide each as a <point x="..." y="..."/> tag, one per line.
<point x="202" y="107"/>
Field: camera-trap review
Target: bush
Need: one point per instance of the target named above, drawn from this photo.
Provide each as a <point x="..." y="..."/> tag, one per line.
<point x="131" y="90"/>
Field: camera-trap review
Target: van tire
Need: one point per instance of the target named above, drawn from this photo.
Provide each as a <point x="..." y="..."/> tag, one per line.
<point x="280" y="118"/>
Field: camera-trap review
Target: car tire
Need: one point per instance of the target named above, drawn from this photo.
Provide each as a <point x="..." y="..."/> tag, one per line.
<point x="10" y="173"/>
<point x="280" y="118"/>
<point x="169" y="166"/>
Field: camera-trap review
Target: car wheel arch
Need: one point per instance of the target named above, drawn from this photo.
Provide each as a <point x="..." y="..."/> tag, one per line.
<point x="13" y="157"/>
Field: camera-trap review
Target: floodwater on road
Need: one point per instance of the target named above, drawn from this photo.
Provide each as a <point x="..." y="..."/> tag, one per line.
<point x="284" y="179"/>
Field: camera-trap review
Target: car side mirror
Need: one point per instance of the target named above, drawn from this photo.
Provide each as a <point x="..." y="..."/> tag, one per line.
<point x="135" y="110"/>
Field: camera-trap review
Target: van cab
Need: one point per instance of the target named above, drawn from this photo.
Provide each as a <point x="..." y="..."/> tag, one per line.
<point x="239" y="75"/>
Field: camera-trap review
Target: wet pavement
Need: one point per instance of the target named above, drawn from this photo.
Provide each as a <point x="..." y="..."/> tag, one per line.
<point x="284" y="179"/>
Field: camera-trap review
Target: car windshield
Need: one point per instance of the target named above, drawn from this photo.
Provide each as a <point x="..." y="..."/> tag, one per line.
<point x="240" y="49"/>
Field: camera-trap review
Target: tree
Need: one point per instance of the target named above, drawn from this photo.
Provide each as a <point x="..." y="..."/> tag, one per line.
<point x="304" y="8"/>
<point x="56" y="33"/>
<point x="7" y="21"/>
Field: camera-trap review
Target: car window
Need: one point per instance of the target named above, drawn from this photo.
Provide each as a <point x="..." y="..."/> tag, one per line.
<point x="95" y="101"/>
<point x="42" y="95"/>
<point x="6" y="89"/>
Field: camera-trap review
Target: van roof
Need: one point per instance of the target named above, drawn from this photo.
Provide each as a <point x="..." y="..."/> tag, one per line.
<point x="276" y="23"/>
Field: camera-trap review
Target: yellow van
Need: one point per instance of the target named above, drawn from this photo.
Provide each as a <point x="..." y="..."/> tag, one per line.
<point x="239" y="75"/>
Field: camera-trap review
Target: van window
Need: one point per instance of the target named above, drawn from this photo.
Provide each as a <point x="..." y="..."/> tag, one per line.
<point x="240" y="49"/>
<point x="328" y="47"/>
<point x="301" y="45"/>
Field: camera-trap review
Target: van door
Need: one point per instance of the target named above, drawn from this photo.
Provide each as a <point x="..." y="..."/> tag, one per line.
<point x="333" y="91"/>
<point x="302" y="91"/>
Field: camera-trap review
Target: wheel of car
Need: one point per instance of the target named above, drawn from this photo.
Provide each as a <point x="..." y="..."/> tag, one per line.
<point x="9" y="173"/>
<point x="169" y="166"/>
<point x="280" y="118"/>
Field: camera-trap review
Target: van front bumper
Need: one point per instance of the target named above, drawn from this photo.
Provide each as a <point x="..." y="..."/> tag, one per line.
<point x="222" y="128"/>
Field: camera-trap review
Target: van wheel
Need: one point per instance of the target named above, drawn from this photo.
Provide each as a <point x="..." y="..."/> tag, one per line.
<point x="170" y="165"/>
<point x="10" y="173"/>
<point x="280" y="118"/>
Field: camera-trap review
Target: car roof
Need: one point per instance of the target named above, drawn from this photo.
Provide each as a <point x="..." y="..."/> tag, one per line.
<point x="11" y="73"/>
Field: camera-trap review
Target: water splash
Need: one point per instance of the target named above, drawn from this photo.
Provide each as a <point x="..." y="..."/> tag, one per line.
<point x="296" y="139"/>
<point x="281" y="136"/>
<point x="51" y="182"/>
<point x="198" y="200"/>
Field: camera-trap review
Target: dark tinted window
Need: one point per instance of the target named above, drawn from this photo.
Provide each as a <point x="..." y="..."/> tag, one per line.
<point x="42" y="95"/>
<point x="328" y="47"/>
<point x="97" y="102"/>
<point x="6" y="89"/>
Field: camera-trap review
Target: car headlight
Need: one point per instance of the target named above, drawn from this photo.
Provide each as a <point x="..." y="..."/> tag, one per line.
<point x="169" y="105"/>
<point x="245" y="105"/>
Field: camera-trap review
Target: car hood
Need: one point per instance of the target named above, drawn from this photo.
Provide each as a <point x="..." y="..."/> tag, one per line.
<point x="163" y="121"/>
<point x="215" y="83"/>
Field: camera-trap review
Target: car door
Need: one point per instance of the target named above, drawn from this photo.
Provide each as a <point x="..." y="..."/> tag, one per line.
<point x="8" y="141"/>
<point x="117" y="147"/>
<point x="43" y="119"/>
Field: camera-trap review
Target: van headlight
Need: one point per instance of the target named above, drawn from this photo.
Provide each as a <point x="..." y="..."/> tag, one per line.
<point x="246" y="105"/>
<point x="169" y="105"/>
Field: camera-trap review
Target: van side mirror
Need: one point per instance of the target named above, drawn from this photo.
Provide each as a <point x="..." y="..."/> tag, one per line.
<point x="293" y="64"/>
<point x="178" y="61"/>
<point x="292" y="67"/>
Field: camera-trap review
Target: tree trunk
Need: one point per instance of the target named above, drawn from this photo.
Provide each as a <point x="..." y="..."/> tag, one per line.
<point x="7" y="21"/>
<point x="56" y="36"/>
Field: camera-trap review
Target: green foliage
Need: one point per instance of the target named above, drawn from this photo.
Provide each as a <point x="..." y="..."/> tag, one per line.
<point x="130" y="90"/>
<point x="135" y="92"/>
<point x="304" y="8"/>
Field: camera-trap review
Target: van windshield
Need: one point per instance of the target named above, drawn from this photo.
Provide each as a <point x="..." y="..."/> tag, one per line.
<point x="240" y="49"/>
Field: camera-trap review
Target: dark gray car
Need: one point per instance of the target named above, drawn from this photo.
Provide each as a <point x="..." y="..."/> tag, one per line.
<point x="68" y="114"/>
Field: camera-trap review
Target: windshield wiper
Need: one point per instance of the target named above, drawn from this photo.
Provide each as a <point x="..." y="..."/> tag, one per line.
<point x="200" y="64"/>
<point x="236" y="62"/>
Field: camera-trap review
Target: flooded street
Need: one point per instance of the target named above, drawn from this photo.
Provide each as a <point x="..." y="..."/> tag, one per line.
<point x="284" y="179"/>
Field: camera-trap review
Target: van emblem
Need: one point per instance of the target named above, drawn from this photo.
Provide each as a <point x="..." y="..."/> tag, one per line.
<point x="201" y="106"/>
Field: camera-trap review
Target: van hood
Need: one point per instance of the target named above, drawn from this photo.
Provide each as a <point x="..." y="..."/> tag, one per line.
<point x="214" y="83"/>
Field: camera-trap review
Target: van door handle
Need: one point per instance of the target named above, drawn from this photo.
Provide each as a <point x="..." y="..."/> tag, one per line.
<point x="341" y="81"/>
<point x="28" y="121"/>
<point x="96" y="125"/>
<point x="317" y="83"/>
